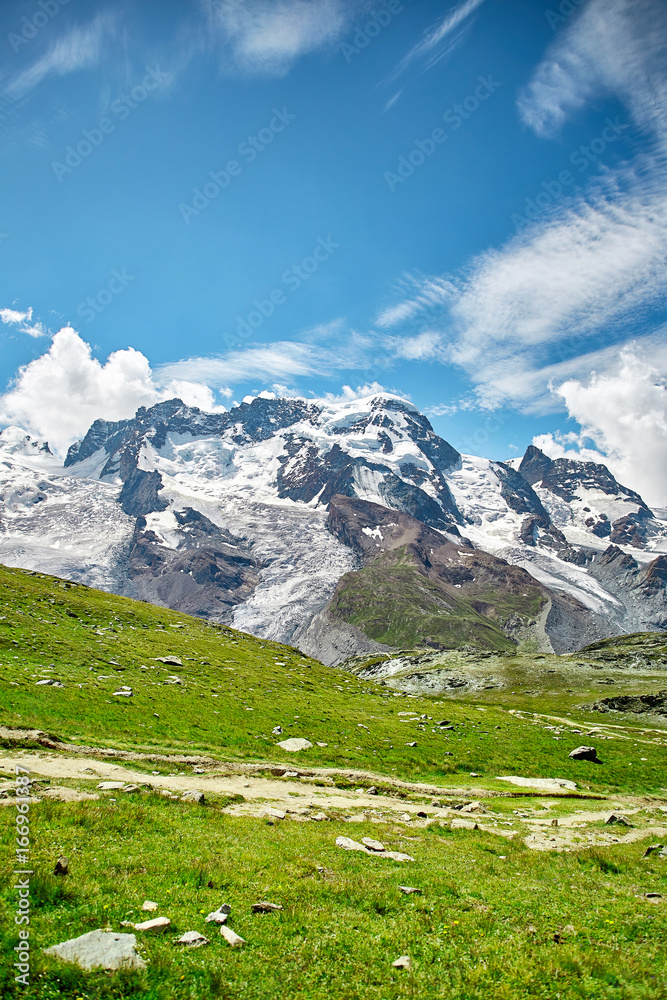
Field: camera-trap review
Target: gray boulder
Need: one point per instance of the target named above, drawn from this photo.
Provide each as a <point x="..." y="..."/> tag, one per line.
<point x="104" y="949"/>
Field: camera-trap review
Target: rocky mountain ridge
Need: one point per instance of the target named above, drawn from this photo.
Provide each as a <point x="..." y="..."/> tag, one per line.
<point x="313" y="521"/>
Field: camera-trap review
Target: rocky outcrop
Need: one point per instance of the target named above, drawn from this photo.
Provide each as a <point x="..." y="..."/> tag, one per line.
<point x="208" y="575"/>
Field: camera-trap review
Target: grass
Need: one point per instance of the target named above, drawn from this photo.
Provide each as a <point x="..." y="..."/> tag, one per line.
<point x="484" y="926"/>
<point x="394" y="603"/>
<point x="494" y="919"/>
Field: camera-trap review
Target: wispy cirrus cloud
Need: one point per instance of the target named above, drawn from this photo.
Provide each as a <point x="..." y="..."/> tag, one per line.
<point x="81" y="47"/>
<point x="266" y="37"/>
<point x="439" y="40"/>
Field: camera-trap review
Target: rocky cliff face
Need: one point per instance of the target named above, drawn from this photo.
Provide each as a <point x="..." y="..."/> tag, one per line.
<point x="349" y="524"/>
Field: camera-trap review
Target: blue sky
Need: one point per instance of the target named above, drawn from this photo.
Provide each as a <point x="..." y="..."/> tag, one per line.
<point x="464" y="204"/>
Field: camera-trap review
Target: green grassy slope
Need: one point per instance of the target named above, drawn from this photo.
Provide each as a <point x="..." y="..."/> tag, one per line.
<point x="235" y="689"/>
<point x="392" y="602"/>
<point x="494" y="919"/>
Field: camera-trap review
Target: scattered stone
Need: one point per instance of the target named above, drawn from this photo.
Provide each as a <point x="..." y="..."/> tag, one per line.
<point x="652" y="850"/>
<point x="544" y="784"/>
<point x="475" y="774"/>
<point x="473" y="807"/>
<point x="122" y="694"/>
<point x="50" y="681"/>
<point x="295" y="744"/>
<point x="170" y="661"/>
<point x="61" y="867"/>
<point x="265" y="907"/>
<point x="129" y="789"/>
<point x="396" y="856"/>
<point x="198" y="770"/>
<point x="422" y="815"/>
<point x="320" y="817"/>
<point x="231" y="937"/>
<point x="323" y="744"/>
<point x="411" y="744"/>
<point x="291" y="774"/>
<point x="406" y="818"/>
<point x="403" y="962"/>
<point x="372" y="790"/>
<point x="409" y="889"/>
<point x="277" y="730"/>
<point x="616" y="820"/>
<point x="274" y="813"/>
<point x="554" y="822"/>
<point x="194" y="795"/>
<point x="111" y="786"/>
<point x="464" y="824"/>
<point x="192" y="939"/>
<point x="220" y="915"/>
<point x="148" y="906"/>
<point x="351" y="845"/>
<point x="585" y="753"/>
<point x="99" y="948"/>
<point x="372" y="845"/>
<point x="436" y="803"/>
<point x="155" y="926"/>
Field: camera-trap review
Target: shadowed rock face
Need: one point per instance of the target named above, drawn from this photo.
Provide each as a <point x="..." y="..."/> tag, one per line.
<point x="207" y="575"/>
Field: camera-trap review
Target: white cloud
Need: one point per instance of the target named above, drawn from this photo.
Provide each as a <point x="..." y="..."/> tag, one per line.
<point x="593" y="264"/>
<point x="14" y="316"/>
<point x="59" y="395"/>
<point x="623" y="413"/>
<point x="268" y="36"/>
<point x="611" y="46"/>
<point x="441" y="39"/>
<point x="24" y="321"/>
<point x="80" y="48"/>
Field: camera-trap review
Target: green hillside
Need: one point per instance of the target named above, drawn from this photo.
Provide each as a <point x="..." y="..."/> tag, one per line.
<point x="529" y="895"/>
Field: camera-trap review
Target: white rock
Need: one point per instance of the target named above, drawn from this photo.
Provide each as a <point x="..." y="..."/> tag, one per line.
<point x="274" y="813"/>
<point x="100" y="948"/>
<point x="111" y="786"/>
<point x="372" y="845"/>
<point x="220" y="915"/>
<point x="544" y="784"/>
<point x="122" y="694"/>
<point x="155" y="926"/>
<point x="295" y="744"/>
<point x="277" y="730"/>
<point x="464" y="824"/>
<point x="409" y="889"/>
<point x="396" y="856"/>
<point x="148" y="906"/>
<point x="194" y="795"/>
<point x="192" y="939"/>
<point x="231" y="937"/>
<point x="351" y="845"/>
<point x="403" y="962"/>
<point x="171" y="661"/>
<point x="320" y="817"/>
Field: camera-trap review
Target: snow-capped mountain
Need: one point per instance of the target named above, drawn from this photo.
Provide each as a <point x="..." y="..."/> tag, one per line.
<point x="237" y="516"/>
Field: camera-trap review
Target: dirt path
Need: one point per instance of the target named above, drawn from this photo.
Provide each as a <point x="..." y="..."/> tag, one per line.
<point x="299" y="799"/>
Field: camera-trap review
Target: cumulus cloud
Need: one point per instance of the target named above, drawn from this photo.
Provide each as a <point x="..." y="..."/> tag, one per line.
<point x="623" y="415"/>
<point x="266" y="37"/>
<point x="59" y="395"/>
